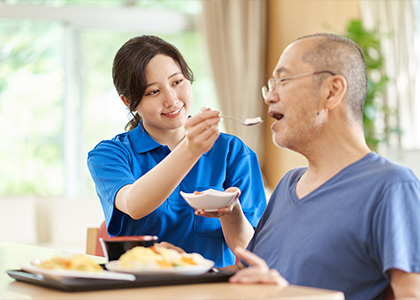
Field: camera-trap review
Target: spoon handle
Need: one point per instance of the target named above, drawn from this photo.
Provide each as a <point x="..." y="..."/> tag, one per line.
<point x="251" y="123"/>
<point x="231" y="118"/>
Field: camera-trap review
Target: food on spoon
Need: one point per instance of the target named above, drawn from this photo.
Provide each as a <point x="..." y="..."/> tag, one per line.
<point x="198" y="193"/>
<point x="253" y="120"/>
<point x="77" y="262"/>
<point x="152" y="258"/>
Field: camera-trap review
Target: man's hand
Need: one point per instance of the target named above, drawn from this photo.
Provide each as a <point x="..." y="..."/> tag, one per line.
<point x="257" y="272"/>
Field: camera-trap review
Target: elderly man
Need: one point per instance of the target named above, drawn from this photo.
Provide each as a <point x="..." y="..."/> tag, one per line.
<point x="350" y="221"/>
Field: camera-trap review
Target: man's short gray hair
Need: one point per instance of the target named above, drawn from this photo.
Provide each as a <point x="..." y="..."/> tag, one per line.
<point x="342" y="57"/>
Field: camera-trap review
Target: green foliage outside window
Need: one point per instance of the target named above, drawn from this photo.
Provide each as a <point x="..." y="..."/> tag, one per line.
<point x="30" y="107"/>
<point x="32" y="94"/>
<point x="370" y="43"/>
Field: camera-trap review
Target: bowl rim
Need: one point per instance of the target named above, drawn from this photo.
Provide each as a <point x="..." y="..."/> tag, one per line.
<point x="131" y="238"/>
<point x="209" y="192"/>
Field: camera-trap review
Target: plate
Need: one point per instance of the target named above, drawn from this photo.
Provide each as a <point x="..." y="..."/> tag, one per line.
<point x="59" y="274"/>
<point x="202" y="268"/>
<point x="209" y="200"/>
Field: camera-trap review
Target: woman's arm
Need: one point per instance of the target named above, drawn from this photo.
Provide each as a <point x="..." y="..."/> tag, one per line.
<point x="153" y="188"/>
<point x="235" y="226"/>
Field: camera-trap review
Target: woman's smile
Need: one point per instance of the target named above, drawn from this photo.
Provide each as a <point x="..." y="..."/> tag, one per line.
<point x="175" y="113"/>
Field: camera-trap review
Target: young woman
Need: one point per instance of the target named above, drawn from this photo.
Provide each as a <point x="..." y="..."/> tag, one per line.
<point x="139" y="174"/>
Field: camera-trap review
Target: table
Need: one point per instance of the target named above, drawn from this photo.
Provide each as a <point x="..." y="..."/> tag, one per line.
<point x="14" y="255"/>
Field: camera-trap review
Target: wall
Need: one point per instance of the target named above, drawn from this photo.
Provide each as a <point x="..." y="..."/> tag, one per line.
<point x="288" y="20"/>
<point x="59" y="223"/>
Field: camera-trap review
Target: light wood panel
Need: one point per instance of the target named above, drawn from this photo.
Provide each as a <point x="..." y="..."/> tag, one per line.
<point x="287" y="21"/>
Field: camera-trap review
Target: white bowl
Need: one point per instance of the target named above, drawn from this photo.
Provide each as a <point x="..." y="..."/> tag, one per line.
<point x="209" y="200"/>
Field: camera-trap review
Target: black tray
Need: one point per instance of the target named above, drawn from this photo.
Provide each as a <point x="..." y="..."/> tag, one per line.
<point x="89" y="284"/>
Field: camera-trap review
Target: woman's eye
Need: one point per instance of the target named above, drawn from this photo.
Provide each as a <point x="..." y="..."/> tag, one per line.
<point x="177" y="82"/>
<point x="152" y="92"/>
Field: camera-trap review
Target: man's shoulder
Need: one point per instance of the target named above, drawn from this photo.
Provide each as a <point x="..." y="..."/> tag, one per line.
<point x="377" y="165"/>
<point x="296" y="172"/>
<point x="290" y="178"/>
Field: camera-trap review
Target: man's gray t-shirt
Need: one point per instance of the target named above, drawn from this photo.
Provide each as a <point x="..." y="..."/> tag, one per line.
<point x="347" y="233"/>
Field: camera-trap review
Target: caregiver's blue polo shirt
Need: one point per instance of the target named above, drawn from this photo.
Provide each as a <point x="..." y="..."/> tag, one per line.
<point x="230" y="163"/>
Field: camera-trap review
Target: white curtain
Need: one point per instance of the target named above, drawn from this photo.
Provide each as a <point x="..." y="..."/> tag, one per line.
<point x="396" y="19"/>
<point x="235" y="34"/>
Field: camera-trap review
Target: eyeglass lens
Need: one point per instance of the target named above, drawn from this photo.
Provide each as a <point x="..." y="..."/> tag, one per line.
<point x="264" y="91"/>
<point x="271" y="86"/>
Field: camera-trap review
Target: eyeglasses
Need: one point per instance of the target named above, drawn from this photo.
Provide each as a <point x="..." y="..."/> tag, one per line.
<point x="272" y="81"/>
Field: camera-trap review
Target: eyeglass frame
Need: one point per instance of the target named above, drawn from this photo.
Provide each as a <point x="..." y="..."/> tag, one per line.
<point x="265" y="90"/>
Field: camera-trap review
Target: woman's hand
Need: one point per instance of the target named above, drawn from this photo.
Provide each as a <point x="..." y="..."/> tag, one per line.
<point x="223" y="211"/>
<point x="257" y="272"/>
<point x="168" y="246"/>
<point x="202" y="130"/>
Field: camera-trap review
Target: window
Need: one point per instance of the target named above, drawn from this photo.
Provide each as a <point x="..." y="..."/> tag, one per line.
<point x="57" y="99"/>
<point x="416" y="5"/>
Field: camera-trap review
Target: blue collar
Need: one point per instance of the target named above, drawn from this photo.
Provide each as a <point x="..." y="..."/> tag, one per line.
<point x="141" y="140"/>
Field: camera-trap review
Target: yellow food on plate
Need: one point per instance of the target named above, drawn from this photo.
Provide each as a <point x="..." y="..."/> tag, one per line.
<point x="77" y="262"/>
<point x="156" y="258"/>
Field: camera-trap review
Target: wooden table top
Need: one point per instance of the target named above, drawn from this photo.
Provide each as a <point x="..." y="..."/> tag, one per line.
<point x="14" y="256"/>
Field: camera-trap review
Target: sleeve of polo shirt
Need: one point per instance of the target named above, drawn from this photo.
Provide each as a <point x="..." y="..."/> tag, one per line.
<point x="396" y="228"/>
<point x="244" y="172"/>
<point x="108" y="164"/>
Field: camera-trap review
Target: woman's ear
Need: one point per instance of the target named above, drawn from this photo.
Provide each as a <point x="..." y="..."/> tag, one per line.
<point x="337" y="90"/>
<point x="125" y="100"/>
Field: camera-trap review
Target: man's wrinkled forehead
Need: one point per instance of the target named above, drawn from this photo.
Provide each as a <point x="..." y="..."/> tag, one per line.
<point x="287" y="60"/>
<point x="291" y="58"/>
<point x="278" y="70"/>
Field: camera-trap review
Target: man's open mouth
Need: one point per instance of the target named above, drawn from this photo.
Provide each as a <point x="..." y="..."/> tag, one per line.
<point x="277" y="116"/>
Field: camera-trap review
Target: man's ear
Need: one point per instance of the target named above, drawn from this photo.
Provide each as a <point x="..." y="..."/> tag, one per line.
<point x="337" y="90"/>
<point x="125" y="100"/>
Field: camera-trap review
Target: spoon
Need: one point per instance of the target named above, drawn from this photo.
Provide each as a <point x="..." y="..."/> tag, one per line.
<point x="247" y="122"/>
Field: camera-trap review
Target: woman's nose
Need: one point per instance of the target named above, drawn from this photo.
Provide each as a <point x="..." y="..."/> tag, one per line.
<point x="171" y="98"/>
